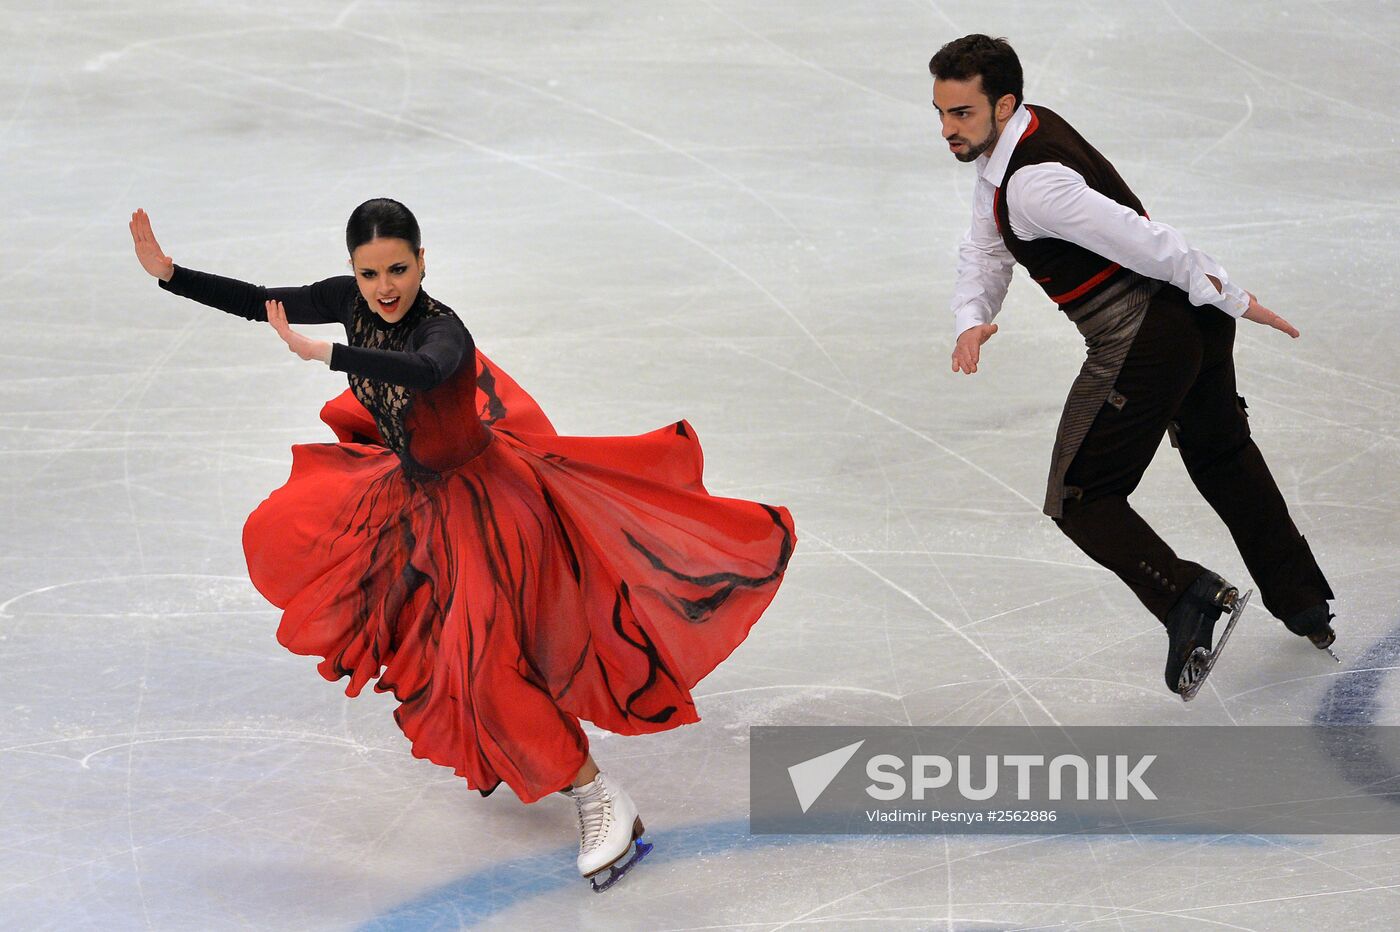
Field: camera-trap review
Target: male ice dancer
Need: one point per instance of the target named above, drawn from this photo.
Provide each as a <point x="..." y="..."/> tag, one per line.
<point x="1159" y="320"/>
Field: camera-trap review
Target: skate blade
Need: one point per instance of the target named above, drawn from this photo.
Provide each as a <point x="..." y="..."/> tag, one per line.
<point x="635" y="852"/>
<point x="1201" y="661"/>
<point x="1331" y="638"/>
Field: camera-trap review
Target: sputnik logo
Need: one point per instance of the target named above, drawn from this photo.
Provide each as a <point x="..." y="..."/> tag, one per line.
<point x="811" y="777"/>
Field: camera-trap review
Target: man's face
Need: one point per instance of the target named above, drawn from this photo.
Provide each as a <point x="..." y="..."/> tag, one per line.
<point x="969" y="121"/>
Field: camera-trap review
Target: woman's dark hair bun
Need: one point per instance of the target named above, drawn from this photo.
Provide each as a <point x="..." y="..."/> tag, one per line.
<point x="381" y="218"/>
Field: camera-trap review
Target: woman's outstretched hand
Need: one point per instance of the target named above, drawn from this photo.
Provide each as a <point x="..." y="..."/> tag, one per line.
<point x="148" y="250"/>
<point x="305" y="347"/>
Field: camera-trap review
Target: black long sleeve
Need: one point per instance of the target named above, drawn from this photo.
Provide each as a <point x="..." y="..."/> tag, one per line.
<point x="325" y="302"/>
<point x="435" y="350"/>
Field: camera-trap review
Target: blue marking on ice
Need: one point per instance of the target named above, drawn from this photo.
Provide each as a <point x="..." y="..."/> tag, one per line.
<point x="1354" y="699"/>
<point x="482" y="894"/>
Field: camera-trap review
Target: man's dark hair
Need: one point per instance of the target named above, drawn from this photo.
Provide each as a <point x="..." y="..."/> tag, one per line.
<point x="994" y="59"/>
<point x="381" y="218"/>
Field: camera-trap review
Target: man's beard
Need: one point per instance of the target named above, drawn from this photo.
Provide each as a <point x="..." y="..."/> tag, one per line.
<point x="972" y="152"/>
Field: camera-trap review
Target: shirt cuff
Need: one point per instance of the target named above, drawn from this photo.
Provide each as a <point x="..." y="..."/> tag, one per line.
<point x="968" y="316"/>
<point x="1230" y="298"/>
<point x="337" y="362"/>
<point x="1234" y="301"/>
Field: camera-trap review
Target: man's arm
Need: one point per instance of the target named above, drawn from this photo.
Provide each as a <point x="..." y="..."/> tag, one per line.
<point x="1052" y="200"/>
<point x="984" y="274"/>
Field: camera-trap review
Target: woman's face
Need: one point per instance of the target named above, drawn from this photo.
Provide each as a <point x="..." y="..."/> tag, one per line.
<point x="389" y="274"/>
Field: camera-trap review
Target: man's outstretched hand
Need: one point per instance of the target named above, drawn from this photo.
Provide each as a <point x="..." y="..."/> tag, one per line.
<point x="1259" y="313"/>
<point x="1262" y="315"/>
<point x="968" y="350"/>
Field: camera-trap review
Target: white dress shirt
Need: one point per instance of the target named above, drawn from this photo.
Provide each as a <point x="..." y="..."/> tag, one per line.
<point x="1051" y="200"/>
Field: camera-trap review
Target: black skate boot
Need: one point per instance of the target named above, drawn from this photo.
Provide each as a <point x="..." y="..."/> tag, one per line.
<point x="1190" y="628"/>
<point x="1315" y="624"/>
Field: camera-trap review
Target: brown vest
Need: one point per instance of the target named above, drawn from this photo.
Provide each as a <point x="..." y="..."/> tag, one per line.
<point x="1069" y="274"/>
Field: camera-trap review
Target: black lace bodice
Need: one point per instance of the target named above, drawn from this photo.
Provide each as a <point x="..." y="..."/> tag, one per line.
<point x="389" y="403"/>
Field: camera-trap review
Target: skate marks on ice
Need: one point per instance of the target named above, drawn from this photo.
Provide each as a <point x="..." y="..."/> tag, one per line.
<point x="141" y="595"/>
<point x="493" y="891"/>
<point x="702" y="201"/>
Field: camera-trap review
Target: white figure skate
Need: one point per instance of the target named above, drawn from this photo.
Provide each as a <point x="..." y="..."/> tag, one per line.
<point x="610" y="832"/>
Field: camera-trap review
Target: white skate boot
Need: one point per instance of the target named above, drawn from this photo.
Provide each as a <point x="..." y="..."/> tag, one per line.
<point x="610" y="832"/>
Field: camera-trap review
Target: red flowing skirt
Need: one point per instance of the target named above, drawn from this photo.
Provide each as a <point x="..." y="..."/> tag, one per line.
<point x="547" y="580"/>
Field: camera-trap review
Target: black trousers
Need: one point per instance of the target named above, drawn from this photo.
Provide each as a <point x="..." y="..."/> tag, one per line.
<point x="1179" y="375"/>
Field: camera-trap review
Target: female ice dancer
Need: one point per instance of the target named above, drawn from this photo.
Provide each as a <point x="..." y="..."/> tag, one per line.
<point x="502" y="581"/>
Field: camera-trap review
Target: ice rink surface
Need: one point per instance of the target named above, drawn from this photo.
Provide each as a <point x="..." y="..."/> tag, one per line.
<point x="738" y="213"/>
